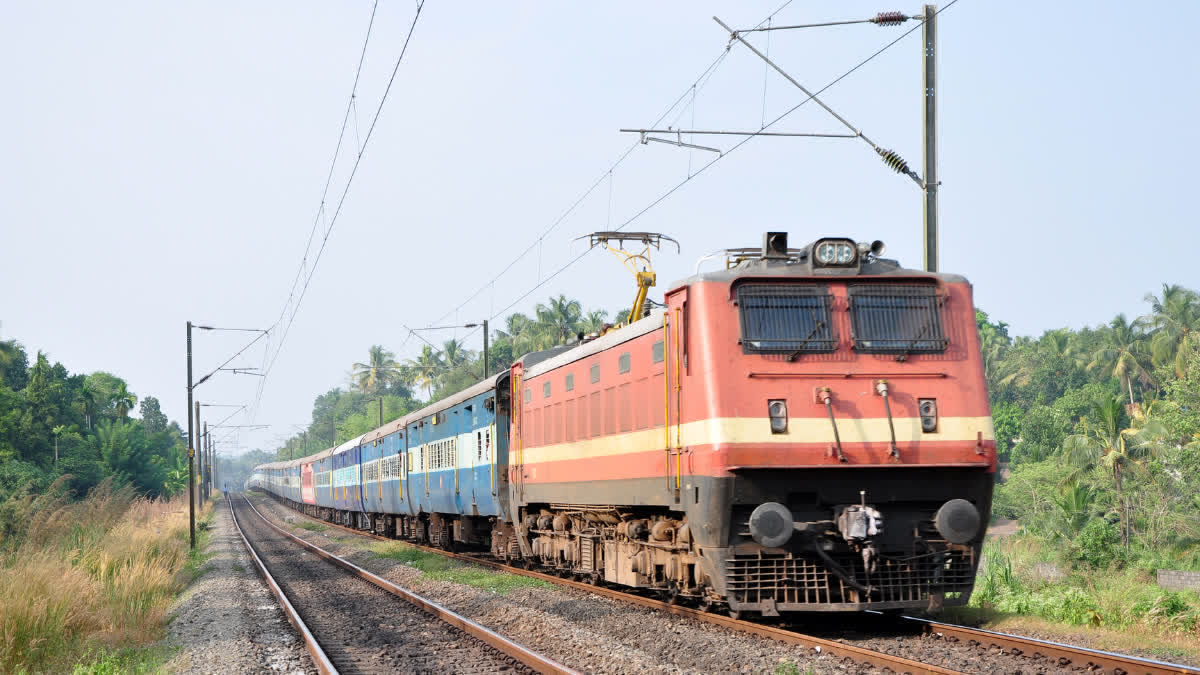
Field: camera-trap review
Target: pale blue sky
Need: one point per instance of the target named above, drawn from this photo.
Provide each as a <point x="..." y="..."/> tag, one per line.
<point x="163" y="161"/>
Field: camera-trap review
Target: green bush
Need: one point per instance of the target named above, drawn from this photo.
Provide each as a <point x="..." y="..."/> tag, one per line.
<point x="1098" y="546"/>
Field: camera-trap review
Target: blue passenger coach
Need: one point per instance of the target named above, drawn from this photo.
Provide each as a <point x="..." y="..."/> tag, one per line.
<point x="438" y="474"/>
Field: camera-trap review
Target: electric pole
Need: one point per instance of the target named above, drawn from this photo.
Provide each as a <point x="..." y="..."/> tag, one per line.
<point x="929" y="44"/>
<point x="485" y="349"/>
<point x="200" y="450"/>
<point x="191" y="444"/>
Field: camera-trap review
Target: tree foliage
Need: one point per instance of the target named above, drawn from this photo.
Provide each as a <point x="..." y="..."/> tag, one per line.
<point x="83" y="419"/>
<point x="435" y="372"/>
<point x="1107" y="457"/>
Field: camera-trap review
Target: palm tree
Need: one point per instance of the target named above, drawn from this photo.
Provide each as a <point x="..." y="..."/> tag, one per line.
<point x="593" y="321"/>
<point x="424" y="369"/>
<point x="124" y="400"/>
<point x="1123" y="354"/>
<point x="57" y="431"/>
<point x="453" y="353"/>
<point x="522" y="332"/>
<point x="88" y="396"/>
<point x="1175" y="317"/>
<point x="560" y="319"/>
<point x="1075" y="504"/>
<point x="1104" y="444"/>
<point x="379" y="370"/>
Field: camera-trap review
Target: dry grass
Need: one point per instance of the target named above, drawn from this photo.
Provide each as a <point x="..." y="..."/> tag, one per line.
<point x="87" y="577"/>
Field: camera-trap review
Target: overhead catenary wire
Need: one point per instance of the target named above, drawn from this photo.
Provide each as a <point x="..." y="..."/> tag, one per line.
<point x="341" y="200"/>
<point x="690" y="90"/>
<point x="718" y="158"/>
<point x="332" y="162"/>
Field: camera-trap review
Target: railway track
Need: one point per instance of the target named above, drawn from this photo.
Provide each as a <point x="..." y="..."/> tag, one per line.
<point x="350" y="619"/>
<point x="1039" y="654"/>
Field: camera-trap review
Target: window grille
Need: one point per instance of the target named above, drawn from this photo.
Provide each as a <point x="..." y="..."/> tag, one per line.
<point x="896" y="319"/>
<point x="785" y="318"/>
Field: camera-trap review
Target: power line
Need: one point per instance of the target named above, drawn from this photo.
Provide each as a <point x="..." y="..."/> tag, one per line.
<point x="691" y="90"/>
<point x="332" y="163"/>
<point x="703" y="168"/>
<point x="341" y="200"/>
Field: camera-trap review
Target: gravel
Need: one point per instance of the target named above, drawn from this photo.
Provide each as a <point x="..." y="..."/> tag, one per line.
<point x="361" y="627"/>
<point x="228" y="621"/>
<point x="593" y="633"/>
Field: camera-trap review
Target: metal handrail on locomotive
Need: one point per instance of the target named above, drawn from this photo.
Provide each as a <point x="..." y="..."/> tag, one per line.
<point x="805" y="430"/>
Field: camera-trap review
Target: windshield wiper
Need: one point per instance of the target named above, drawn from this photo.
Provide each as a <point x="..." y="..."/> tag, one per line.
<point x="917" y="338"/>
<point x="804" y="343"/>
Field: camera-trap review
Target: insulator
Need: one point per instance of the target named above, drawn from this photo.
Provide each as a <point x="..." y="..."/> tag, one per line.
<point x="889" y="19"/>
<point x="894" y="160"/>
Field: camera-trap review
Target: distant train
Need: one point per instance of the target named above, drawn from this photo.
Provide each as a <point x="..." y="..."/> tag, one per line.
<point x="805" y="430"/>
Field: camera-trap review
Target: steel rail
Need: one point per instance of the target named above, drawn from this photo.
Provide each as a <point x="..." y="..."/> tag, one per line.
<point x="319" y="658"/>
<point x="1064" y="655"/>
<point x="820" y="645"/>
<point x="1016" y="645"/>
<point x="498" y="642"/>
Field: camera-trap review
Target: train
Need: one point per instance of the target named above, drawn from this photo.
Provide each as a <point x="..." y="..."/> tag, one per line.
<point x="804" y="430"/>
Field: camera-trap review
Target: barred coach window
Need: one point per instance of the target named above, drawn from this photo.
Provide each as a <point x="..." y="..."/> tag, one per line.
<point x="896" y="319"/>
<point x="785" y="318"/>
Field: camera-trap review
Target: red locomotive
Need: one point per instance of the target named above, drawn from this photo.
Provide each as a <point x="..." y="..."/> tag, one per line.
<point x="805" y="430"/>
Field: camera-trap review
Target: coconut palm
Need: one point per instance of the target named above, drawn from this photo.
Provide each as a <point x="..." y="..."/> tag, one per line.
<point x="1175" y="317"/>
<point x="560" y="319"/>
<point x="453" y="353"/>
<point x="1118" y="451"/>
<point x="425" y="369"/>
<point x="1123" y="354"/>
<point x="379" y="370"/>
<point x="522" y="332"/>
<point x="124" y="400"/>
<point x="593" y="321"/>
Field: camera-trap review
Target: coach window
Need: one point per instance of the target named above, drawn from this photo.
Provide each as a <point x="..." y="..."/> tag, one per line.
<point x="546" y="389"/>
<point x="595" y="373"/>
<point x="657" y="353"/>
<point x="624" y="363"/>
<point x="528" y="395"/>
<point x="569" y="385"/>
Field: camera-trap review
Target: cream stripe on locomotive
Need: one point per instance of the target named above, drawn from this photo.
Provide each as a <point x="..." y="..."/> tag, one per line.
<point x="757" y="430"/>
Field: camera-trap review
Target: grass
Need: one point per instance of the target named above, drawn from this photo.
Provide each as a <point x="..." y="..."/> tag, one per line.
<point x="311" y="526"/>
<point x="1116" y="608"/>
<point x="86" y="585"/>
<point x="440" y="568"/>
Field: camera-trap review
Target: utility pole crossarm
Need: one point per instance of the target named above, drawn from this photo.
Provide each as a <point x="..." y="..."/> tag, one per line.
<point x="889" y="157"/>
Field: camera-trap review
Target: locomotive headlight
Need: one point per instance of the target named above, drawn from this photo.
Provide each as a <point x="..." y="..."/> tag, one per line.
<point x="927" y="407"/>
<point x="835" y="252"/>
<point x="777" y="411"/>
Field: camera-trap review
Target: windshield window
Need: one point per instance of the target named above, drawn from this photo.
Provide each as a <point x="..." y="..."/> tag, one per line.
<point x="785" y="318"/>
<point x="896" y="318"/>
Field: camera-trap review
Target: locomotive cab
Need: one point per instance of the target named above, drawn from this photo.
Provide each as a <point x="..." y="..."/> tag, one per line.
<point x="839" y="434"/>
